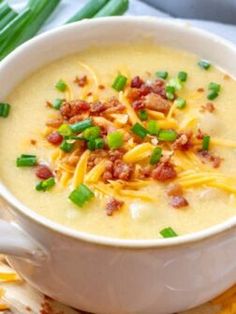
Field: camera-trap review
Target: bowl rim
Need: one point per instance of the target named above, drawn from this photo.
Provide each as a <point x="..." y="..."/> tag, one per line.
<point x="97" y="239"/>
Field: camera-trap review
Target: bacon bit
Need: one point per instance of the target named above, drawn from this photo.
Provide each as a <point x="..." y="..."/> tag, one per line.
<point x="156" y="102"/>
<point x="81" y="81"/>
<point x="158" y="87"/>
<point x="73" y="108"/>
<point x="164" y="171"/>
<point x="49" y="104"/>
<point x="138" y="104"/>
<point x="55" y="138"/>
<point x="43" y="172"/>
<point x="121" y="170"/>
<point x="113" y="205"/>
<point x="207" y="156"/>
<point x="208" y="107"/>
<point x="136" y="82"/>
<point x="227" y="77"/>
<point x="33" y="142"/>
<point x="54" y="123"/>
<point x="78" y="118"/>
<point x="200" y="90"/>
<point x="113" y="105"/>
<point x="89" y="94"/>
<point x="200" y="134"/>
<point x="178" y="202"/>
<point x="101" y="86"/>
<point x="98" y="108"/>
<point x="115" y="154"/>
<point x="183" y="142"/>
<point x="145" y="172"/>
<point x="174" y="189"/>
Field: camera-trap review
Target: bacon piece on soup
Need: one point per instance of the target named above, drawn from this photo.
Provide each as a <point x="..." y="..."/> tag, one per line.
<point x="54" y="123"/>
<point x="210" y="107"/>
<point x="207" y="156"/>
<point x="183" y="142"/>
<point x="55" y="138"/>
<point x="174" y="189"/>
<point x="97" y="108"/>
<point x="178" y="202"/>
<point x="121" y="170"/>
<point x="73" y="108"/>
<point x="43" y="172"/>
<point x="136" y="82"/>
<point x="113" y="205"/>
<point x="81" y="81"/>
<point x="156" y="102"/>
<point x="164" y="171"/>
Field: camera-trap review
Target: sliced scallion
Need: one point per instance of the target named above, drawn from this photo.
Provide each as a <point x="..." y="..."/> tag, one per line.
<point x="204" y="64"/>
<point x="182" y="76"/>
<point x="115" y="139"/>
<point x="180" y="103"/>
<point x="65" y="130"/>
<point x="4" y="110"/>
<point x="81" y="125"/>
<point x="167" y="135"/>
<point x="162" y="74"/>
<point x="92" y="132"/>
<point x="45" y="185"/>
<point x="156" y="155"/>
<point x="57" y="103"/>
<point x="168" y="233"/>
<point x="143" y="115"/>
<point x="26" y="161"/>
<point x="206" y="142"/>
<point x="66" y="146"/>
<point x="139" y="130"/>
<point x="119" y="82"/>
<point x="81" y="195"/>
<point x="153" y="127"/>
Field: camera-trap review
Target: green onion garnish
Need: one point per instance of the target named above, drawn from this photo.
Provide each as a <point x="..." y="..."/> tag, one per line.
<point x="26" y="161"/>
<point x="99" y="143"/>
<point x="170" y="92"/>
<point x="180" y="103"/>
<point x="119" y="83"/>
<point x="143" y="115"/>
<point x="204" y="64"/>
<point x="168" y="233"/>
<point x="214" y="87"/>
<point x="91" y="145"/>
<point x="156" y="155"/>
<point x="65" y="130"/>
<point x="206" y="142"/>
<point x="57" y="103"/>
<point x="4" y="110"/>
<point x="92" y="133"/>
<point x="212" y="95"/>
<point x="61" y="86"/>
<point x="115" y="139"/>
<point x="162" y="74"/>
<point x="139" y="130"/>
<point x="81" y="195"/>
<point x="81" y="126"/>
<point x="66" y="146"/>
<point x="45" y="184"/>
<point x="182" y="76"/>
<point x="153" y="127"/>
<point x="167" y="135"/>
<point x="176" y="83"/>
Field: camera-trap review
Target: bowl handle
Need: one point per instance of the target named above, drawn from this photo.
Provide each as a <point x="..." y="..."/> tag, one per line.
<point x="16" y="242"/>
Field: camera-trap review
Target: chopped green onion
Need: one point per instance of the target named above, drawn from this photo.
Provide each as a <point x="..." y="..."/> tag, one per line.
<point x="182" y="76"/>
<point x="65" y="130"/>
<point x="168" y="233"/>
<point x="113" y="8"/>
<point x="212" y="95"/>
<point x="99" y="143"/>
<point x="81" y="126"/>
<point x="206" y="142"/>
<point x="162" y="74"/>
<point x="153" y="127"/>
<point x="115" y="139"/>
<point x="92" y="133"/>
<point x="180" y="103"/>
<point x="4" y="110"/>
<point x="66" y="146"/>
<point x="156" y="155"/>
<point x="57" y="103"/>
<point x="45" y="184"/>
<point x="91" y="145"/>
<point x="214" y="87"/>
<point x="61" y="86"/>
<point x="26" y="161"/>
<point x="167" y="135"/>
<point x="170" y="92"/>
<point x="81" y="195"/>
<point x="139" y="130"/>
<point x="119" y="83"/>
<point x="204" y="64"/>
<point x="143" y="115"/>
<point x="175" y="83"/>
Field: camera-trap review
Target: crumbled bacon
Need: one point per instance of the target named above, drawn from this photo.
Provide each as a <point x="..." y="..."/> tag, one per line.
<point x="73" y="108"/>
<point x="33" y="142"/>
<point x="208" y="107"/>
<point x="200" y="89"/>
<point x="101" y="86"/>
<point x="145" y="172"/>
<point x="97" y="108"/>
<point x="81" y="81"/>
<point x="183" y="142"/>
<point x="113" y="205"/>
<point x="164" y="171"/>
<point x="54" y="123"/>
<point x="43" y="172"/>
<point x="158" y="87"/>
<point x="115" y="154"/>
<point x="174" y="189"/>
<point x="178" y="202"/>
<point x="121" y="170"/>
<point x="48" y="104"/>
<point x="55" y="138"/>
<point x="136" y="82"/>
<point x="156" y="102"/>
<point x="78" y="117"/>
<point x="200" y="134"/>
<point x="138" y="104"/>
<point x="207" y="156"/>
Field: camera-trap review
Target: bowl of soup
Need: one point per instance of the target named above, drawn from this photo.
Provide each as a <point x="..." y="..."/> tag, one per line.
<point x="118" y="144"/>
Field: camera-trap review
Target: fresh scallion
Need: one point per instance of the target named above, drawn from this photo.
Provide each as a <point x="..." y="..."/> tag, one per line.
<point x="81" y="195"/>
<point x="180" y="103"/>
<point x="119" y="82"/>
<point x="167" y="135"/>
<point x="168" y="233"/>
<point x="61" y="86"/>
<point x="156" y="155"/>
<point x="57" y="103"/>
<point x="45" y="185"/>
<point x="204" y="64"/>
<point x="65" y="130"/>
<point x="139" y="130"/>
<point x="66" y="146"/>
<point x="143" y="115"/>
<point x="170" y="92"/>
<point x="182" y="76"/>
<point x="206" y="142"/>
<point x="4" y="110"/>
<point x="214" y="87"/>
<point x="99" y="143"/>
<point x="162" y="74"/>
<point x="115" y="139"/>
<point x="212" y="95"/>
<point x="92" y="132"/>
<point x="153" y="127"/>
<point x="113" y="7"/>
<point x="81" y="125"/>
<point x="26" y="161"/>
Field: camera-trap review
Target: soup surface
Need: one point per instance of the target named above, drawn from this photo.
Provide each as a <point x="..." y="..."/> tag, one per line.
<point x="123" y="141"/>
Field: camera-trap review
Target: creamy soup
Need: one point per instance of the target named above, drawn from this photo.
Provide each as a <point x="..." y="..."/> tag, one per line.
<point x="126" y="141"/>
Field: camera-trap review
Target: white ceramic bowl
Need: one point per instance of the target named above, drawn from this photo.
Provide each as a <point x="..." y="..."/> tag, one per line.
<point x="105" y="275"/>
